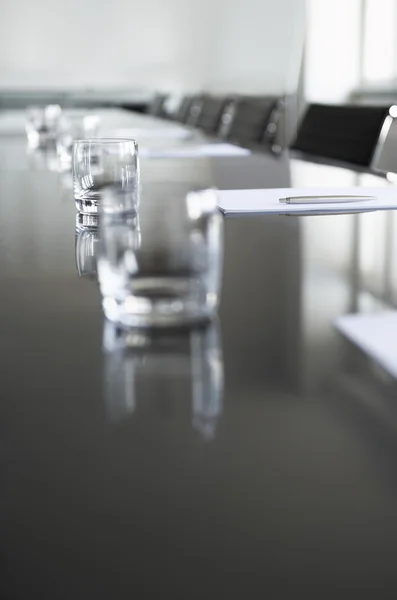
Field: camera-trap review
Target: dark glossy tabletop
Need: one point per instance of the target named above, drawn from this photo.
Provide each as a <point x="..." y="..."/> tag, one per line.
<point x="253" y="459"/>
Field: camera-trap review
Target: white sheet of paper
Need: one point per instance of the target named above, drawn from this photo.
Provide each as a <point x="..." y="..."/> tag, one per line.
<point x="195" y="151"/>
<point x="138" y="133"/>
<point x="268" y="201"/>
<point x="375" y="334"/>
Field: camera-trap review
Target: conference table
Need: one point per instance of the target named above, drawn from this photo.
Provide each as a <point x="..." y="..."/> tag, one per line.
<point x="252" y="457"/>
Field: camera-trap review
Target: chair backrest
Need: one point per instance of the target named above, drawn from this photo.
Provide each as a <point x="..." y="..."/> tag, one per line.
<point x="347" y="133"/>
<point x="182" y="112"/>
<point x="385" y="156"/>
<point x="212" y="108"/>
<point x="156" y="107"/>
<point x="273" y="136"/>
<point x="246" y="118"/>
<point x="194" y="112"/>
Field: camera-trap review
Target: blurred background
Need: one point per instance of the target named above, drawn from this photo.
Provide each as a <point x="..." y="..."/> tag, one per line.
<point x="122" y="52"/>
<point x="172" y="45"/>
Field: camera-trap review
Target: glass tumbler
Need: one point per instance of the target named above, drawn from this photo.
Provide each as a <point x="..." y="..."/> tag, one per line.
<point x="103" y="163"/>
<point x="41" y="124"/>
<point x="73" y="127"/>
<point x="170" y="274"/>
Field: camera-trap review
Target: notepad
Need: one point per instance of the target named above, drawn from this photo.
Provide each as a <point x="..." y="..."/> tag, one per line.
<point x="199" y="150"/>
<point x="375" y="334"/>
<point x="268" y="201"/>
<point x="143" y="133"/>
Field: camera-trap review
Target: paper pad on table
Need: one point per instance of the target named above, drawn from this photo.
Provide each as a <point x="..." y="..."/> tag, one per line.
<point x="138" y="133"/>
<point x="268" y="201"/>
<point x="194" y="151"/>
<point x="375" y="334"/>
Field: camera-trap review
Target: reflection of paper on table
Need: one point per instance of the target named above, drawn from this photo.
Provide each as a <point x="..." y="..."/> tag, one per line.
<point x="268" y="201"/>
<point x="195" y="151"/>
<point x="375" y="334"/>
<point x="141" y="133"/>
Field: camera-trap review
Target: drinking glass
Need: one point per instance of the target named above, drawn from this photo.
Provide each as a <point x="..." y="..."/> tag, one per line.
<point x="170" y="274"/>
<point x="102" y="163"/>
<point x="73" y="127"/>
<point x="41" y="124"/>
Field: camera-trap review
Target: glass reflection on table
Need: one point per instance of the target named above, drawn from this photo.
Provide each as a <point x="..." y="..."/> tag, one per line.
<point x="86" y="245"/>
<point x="43" y="159"/>
<point x="88" y="239"/>
<point x="142" y="366"/>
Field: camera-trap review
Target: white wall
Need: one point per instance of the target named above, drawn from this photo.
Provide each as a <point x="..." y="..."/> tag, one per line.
<point x="259" y="48"/>
<point x="332" y="53"/>
<point x="94" y="42"/>
<point x="244" y="45"/>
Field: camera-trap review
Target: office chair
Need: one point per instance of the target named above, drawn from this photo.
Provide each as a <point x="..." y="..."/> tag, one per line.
<point x="245" y="119"/>
<point x="156" y="107"/>
<point x="273" y="137"/>
<point x="209" y="117"/>
<point x="345" y="133"/>
<point x="195" y="110"/>
<point x="182" y="112"/>
<point x="385" y="155"/>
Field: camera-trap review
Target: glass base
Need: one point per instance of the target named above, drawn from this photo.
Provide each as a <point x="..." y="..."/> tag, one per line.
<point x="142" y="312"/>
<point x="88" y="205"/>
<point x="87" y="221"/>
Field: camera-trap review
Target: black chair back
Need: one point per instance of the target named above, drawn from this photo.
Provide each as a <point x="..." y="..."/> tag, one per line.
<point x="246" y="118"/>
<point x="211" y="111"/>
<point x="182" y="112"/>
<point x="156" y="107"/>
<point x="346" y="133"/>
<point x="194" y="112"/>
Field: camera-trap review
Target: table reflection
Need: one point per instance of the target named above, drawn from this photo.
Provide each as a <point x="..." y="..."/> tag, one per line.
<point x="180" y="371"/>
<point x="42" y="159"/>
<point x="88" y="237"/>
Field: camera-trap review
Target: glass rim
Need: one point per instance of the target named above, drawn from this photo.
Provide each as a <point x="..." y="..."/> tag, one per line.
<point x="109" y="140"/>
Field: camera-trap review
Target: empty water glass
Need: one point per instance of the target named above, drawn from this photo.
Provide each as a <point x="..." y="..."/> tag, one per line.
<point x="102" y="163"/>
<point x="170" y="273"/>
<point x="73" y="127"/>
<point x="42" y="124"/>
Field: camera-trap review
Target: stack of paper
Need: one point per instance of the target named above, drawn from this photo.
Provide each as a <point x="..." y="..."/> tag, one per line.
<point x="194" y="151"/>
<point x="375" y="334"/>
<point x="268" y="201"/>
<point x="143" y="133"/>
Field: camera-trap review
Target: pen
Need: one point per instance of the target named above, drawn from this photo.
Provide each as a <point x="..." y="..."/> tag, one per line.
<point x="324" y="199"/>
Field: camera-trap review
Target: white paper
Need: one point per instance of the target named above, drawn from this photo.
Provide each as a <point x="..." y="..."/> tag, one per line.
<point x="375" y="334"/>
<point x="268" y="201"/>
<point x="138" y="133"/>
<point x="194" y="151"/>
